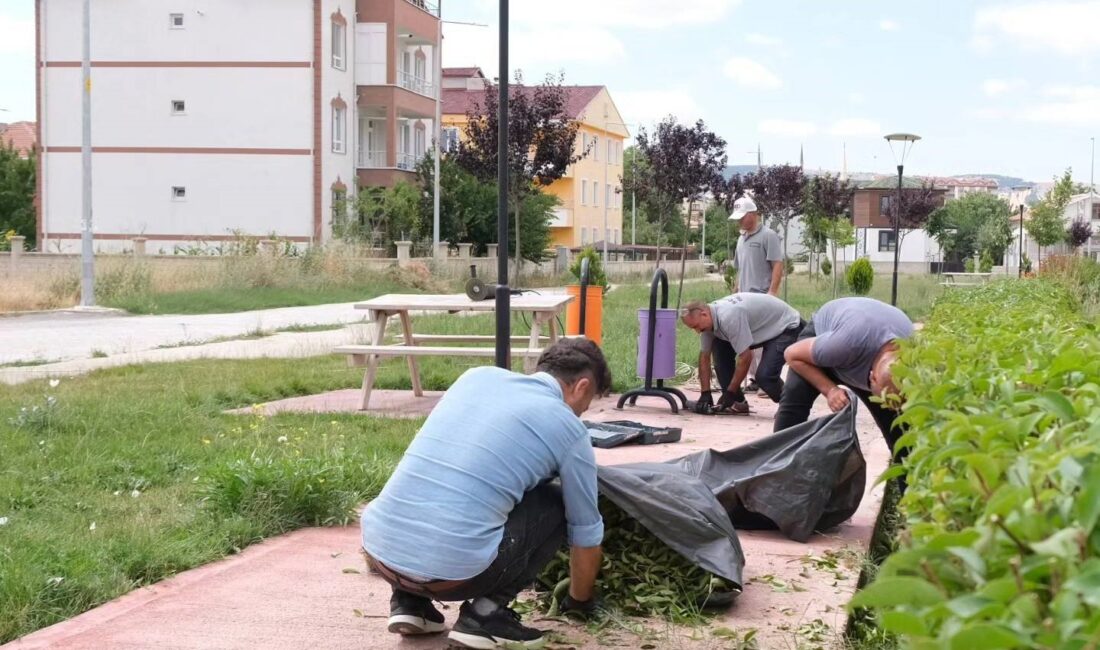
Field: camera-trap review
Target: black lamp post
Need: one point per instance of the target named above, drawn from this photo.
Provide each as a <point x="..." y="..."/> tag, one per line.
<point x="503" y="294"/>
<point x="907" y="140"/>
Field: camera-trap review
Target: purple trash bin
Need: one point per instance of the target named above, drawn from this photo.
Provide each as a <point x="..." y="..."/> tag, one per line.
<point x="664" y="343"/>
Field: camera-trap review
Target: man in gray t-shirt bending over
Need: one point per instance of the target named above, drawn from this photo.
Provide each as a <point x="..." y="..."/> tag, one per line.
<point x="850" y="341"/>
<point x="730" y="329"/>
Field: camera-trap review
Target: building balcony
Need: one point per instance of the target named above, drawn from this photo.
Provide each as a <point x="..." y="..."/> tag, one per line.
<point x="418" y="85"/>
<point x="423" y="5"/>
<point x="367" y="159"/>
<point x="371" y="159"/>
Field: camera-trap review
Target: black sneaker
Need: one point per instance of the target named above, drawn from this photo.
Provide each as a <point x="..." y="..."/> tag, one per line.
<point x="501" y="629"/>
<point x="753" y="387"/>
<point x="411" y="614"/>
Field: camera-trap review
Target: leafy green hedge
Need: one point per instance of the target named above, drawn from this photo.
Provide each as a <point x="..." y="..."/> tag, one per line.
<point x="1000" y="548"/>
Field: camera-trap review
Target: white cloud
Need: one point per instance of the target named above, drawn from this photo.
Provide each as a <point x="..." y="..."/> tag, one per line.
<point x="857" y="98"/>
<point x="888" y="25"/>
<point x="855" y="127"/>
<point x="1068" y="28"/>
<point x="646" y="107"/>
<point x="645" y="14"/>
<point x="16" y="36"/>
<point x="763" y="39"/>
<point x="994" y="87"/>
<point x="789" y="128"/>
<point x="1071" y="105"/>
<point x="990" y="113"/>
<point x="750" y="74"/>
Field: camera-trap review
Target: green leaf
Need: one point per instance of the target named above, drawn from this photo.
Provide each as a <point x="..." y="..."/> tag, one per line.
<point x="903" y="623"/>
<point x="1002" y="590"/>
<point x="1006" y="499"/>
<point x="969" y="606"/>
<point x="895" y="591"/>
<point x="1087" y="505"/>
<point x="1057" y="404"/>
<point x="984" y="636"/>
<point x="944" y="541"/>
<point x="1087" y="585"/>
<point x="1061" y="544"/>
<point x="971" y="558"/>
<point x="892" y="472"/>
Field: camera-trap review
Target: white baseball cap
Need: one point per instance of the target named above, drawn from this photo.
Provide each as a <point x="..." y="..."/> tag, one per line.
<point x="741" y="207"/>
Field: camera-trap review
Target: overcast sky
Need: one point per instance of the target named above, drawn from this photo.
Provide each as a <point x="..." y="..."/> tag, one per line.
<point x="994" y="87"/>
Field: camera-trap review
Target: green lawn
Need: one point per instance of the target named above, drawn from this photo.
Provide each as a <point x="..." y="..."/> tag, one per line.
<point x="134" y="474"/>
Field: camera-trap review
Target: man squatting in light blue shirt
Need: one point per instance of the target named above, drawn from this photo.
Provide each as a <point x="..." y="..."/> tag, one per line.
<point x="470" y="513"/>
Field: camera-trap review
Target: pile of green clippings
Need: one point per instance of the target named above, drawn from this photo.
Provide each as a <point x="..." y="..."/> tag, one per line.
<point x="640" y="575"/>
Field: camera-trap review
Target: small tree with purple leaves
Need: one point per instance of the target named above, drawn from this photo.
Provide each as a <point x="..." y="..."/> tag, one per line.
<point x="1078" y="233"/>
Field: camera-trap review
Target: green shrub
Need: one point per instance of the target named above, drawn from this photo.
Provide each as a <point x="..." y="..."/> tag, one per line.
<point x="860" y="276"/>
<point x="986" y="264"/>
<point x="826" y="266"/>
<point x="788" y="264"/>
<point x="718" y="258"/>
<point x="969" y="265"/>
<point x="1000" y="547"/>
<point x="596" y="275"/>
<point x="1026" y="263"/>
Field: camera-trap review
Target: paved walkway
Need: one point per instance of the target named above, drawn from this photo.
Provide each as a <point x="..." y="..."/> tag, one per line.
<point x="71" y="334"/>
<point x="309" y="589"/>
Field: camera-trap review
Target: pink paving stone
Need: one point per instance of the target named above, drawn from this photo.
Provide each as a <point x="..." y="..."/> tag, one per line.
<point x="292" y="591"/>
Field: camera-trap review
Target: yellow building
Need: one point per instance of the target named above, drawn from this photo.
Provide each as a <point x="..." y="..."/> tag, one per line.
<point x="590" y="188"/>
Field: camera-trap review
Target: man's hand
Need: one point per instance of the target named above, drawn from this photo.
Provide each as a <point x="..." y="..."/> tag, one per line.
<point x="730" y="400"/>
<point x="838" y="398"/>
<point x="704" y="404"/>
<point x="584" y="609"/>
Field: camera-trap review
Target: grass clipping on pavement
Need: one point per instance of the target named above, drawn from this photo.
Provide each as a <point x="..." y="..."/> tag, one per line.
<point x="640" y="576"/>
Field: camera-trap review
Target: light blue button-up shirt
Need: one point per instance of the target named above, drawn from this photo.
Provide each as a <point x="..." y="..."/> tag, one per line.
<point x="493" y="436"/>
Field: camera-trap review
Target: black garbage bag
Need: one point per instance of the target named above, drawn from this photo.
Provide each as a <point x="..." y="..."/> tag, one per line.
<point x="802" y="479"/>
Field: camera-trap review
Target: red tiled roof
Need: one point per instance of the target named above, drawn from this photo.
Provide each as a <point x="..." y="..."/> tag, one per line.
<point x="458" y="101"/>
<point x="21" y="136"/>
<point x="463" y="72"/>
<point x="965" y="182"/>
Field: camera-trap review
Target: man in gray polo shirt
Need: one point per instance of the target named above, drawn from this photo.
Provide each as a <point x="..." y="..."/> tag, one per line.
<point x="758" y="260"/>
<point x="730" y="329"/>
<point x="851" y="342"/>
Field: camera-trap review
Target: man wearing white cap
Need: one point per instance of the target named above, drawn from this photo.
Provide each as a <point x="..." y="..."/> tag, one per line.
<point x="758" y="260"/>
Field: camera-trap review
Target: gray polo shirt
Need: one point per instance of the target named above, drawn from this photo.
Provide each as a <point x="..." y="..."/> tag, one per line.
<point x="748" y="320"/>
<point x="753" y="259"/>
<point x="850" y="332"/>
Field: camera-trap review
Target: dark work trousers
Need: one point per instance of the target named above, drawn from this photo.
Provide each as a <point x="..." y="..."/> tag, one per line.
<point x="799" y="396"/>
<point x="767" y="373"/>
<point x="533" y="534"/>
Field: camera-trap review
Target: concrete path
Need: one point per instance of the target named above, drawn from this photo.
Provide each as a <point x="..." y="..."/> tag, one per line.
<point x="309" y="589"/>
<point x="66" y="335"/>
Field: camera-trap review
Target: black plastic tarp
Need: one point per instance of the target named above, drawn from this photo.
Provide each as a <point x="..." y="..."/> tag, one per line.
<point x="803" y="479"/>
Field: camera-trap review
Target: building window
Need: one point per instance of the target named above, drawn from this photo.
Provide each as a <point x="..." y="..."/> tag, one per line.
<point x="607" y="195"/>
<point x="884" y="205"/>
<point x="610" y="152"/>
<point x="1096" y="211"/>
<point x="596" y="148"/>
<point x="179" y="193"/>
<point x="450" y="139"/>
<point x="584" y="144"/>
<point x="584" y="236"/>
<point x="886" y="241"/>
<point x="175" y="21"/>
<point x="584" y="192"/>
<point x="179" y="107"/>
<point x="338" y="129"/>
<point x="595" y="194"/>
<point x="339" y="45"/>
<point x="339" y="205"/>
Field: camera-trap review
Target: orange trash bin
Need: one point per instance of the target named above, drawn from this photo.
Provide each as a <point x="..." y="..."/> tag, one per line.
<point x="593" y="313"/>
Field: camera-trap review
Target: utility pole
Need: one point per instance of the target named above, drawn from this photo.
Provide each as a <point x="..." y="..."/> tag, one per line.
<point x="438" y="127"/>
<point x="633" y="204"/>
<point x="87" y="253"/>
<point x="503" y="293"/>
<point x="606" y="192"/>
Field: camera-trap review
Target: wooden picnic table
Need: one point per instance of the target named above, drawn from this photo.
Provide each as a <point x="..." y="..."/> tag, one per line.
<point x="965" y="279"/>
<point x="543" y="308"/>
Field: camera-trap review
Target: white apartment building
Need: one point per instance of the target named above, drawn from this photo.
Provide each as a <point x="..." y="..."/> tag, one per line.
<point x="214" y="119"/>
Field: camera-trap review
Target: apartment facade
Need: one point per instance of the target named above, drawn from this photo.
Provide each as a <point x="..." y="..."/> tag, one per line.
<point x="203" y="131"/>
<point x="875" y="234"/>
<point x="591" y="187"/>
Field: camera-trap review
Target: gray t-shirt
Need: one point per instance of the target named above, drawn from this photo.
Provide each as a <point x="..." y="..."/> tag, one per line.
<point x="748" y="320"/>
<point x="850" y="332"/>
<point x="753" y="259"/>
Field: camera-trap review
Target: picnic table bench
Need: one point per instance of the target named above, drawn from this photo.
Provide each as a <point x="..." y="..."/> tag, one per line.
<point x="543" y="308"/>
<point x="965" y="279"/>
